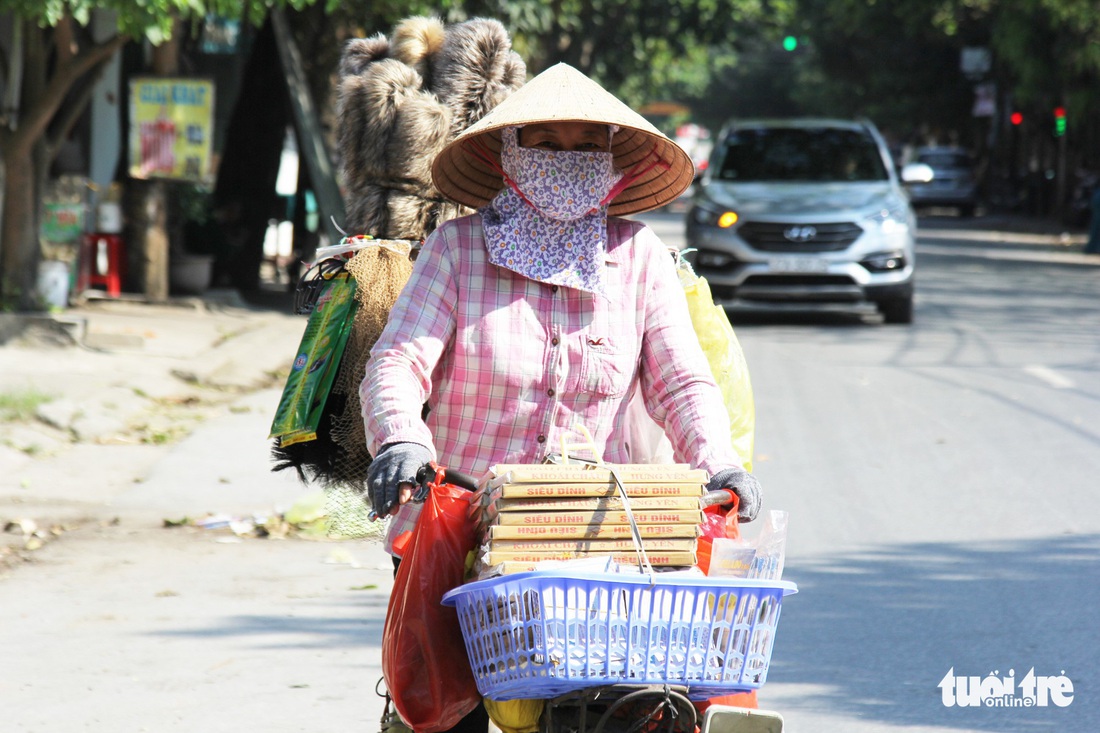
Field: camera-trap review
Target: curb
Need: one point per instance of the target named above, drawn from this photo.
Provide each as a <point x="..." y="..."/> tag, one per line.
<point x="1012" y="254"/>
<point x="40" y="329"/>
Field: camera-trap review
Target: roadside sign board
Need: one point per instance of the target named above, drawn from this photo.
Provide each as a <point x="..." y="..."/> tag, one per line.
<point x="171" y="128"/>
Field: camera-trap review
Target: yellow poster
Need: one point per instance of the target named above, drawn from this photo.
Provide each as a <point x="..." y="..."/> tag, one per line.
<point x="171" y="128"/>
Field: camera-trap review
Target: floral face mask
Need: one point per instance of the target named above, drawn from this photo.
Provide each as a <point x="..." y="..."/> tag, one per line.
<point x="559" y="184"/>
<point x="550" y="222"/>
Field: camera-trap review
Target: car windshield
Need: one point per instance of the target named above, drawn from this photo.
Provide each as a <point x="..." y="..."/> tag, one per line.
<point x="944" y="159"/>
<point x="800" y="154"/>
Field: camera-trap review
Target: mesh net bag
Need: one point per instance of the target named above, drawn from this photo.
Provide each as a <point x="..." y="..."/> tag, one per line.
<point x="381" y="270"/>
<point x="337" y="458"/>
<point x="381" y="273"/>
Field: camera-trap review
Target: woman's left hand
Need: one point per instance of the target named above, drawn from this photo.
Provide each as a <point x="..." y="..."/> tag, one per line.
<point x="392" y="474"/>
<point x="742" y="483"/>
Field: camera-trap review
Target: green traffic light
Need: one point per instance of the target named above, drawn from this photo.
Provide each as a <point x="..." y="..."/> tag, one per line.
<point x="790" y="43"/>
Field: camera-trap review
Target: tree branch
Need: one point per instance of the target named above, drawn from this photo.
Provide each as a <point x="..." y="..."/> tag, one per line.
<point x="64" y="41"/>
<point x="70" y="111"/>
<point x="36" y="121"/>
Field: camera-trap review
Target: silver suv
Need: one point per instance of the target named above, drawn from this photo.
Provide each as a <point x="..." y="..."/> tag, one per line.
<point x="805" y="211"/>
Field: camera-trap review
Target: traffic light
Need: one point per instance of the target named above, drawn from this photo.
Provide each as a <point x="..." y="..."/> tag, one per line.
<point x="1016" y="118"/>
<point x="790" y="43"/>
<point x="1059" y="121"/>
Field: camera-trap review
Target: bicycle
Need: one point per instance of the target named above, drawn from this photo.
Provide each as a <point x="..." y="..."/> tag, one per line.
<point x="622" y="653"/>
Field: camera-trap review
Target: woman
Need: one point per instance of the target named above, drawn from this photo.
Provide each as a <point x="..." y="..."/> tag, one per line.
<point x="542" y="311"/>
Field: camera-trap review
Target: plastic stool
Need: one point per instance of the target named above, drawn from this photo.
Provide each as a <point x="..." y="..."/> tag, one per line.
<point x="102" y="263"/>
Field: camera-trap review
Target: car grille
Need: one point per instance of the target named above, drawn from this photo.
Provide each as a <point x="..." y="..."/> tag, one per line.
<point x="798" y="280"/>
<point x="782" y="237"/>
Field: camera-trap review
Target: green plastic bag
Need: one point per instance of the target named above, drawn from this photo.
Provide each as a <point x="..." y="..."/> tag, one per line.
<point x="319" y="353"/>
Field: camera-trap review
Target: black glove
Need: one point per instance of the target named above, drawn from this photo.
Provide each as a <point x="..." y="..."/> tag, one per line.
<point x="742" y="483"/>
<point x="395" y="464"/>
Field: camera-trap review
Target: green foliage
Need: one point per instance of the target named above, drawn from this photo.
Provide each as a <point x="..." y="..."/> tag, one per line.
<point x="625" y="43"/>
<point x="758" y="80"/>
<point x="149" y="19"/>
<point x="896" y="63"/>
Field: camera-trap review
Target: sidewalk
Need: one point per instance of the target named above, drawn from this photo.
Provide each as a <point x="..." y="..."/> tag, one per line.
<point x="112" y="621"/>
<point x="102" y="389"/>
<point x="1005" y="236"/>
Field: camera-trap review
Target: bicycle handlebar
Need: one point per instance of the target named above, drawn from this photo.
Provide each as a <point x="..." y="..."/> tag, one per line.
<point x="427" y="472"/>
<point x="721" y="497"/>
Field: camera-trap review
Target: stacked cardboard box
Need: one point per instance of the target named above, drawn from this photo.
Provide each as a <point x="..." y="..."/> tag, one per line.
<point x="533" y="513"/>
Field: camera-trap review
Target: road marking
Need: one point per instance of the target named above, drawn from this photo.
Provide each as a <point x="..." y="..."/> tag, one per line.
<point x="1048" y="375"/>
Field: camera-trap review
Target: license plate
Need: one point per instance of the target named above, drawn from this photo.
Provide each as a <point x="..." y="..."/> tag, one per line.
<point x="798" y="264"/>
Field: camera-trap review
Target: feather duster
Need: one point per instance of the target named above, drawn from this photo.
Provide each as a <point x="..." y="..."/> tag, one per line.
<point x="400" y="100"/>
<point x="476" y="70"/>
<point x="416" y="42"/>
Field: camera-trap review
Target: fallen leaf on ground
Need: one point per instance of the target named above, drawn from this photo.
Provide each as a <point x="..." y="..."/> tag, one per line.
<point x="183" y="522"/>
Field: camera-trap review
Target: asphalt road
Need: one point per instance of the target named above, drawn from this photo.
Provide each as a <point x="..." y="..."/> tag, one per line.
<point x="939" y="478"/>
<point x="941" y="481"/>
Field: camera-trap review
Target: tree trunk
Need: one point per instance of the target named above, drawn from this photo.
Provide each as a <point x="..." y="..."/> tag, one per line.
<point x="146" y="205"/>
<point x="20" y="253"/>
<point x="51" y="64"/>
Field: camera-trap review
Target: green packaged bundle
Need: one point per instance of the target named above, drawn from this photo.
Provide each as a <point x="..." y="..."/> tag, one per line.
<point x="315" y="366"/>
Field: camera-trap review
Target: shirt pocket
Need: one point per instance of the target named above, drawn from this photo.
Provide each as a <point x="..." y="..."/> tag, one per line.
<point x="606" y="370"/>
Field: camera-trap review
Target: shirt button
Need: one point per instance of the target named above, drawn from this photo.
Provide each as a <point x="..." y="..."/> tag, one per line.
<point x="554" y="289"/>
<point x="542" y="438"/>
<point x="550" y="392"/>
<point x="555" y="341"/>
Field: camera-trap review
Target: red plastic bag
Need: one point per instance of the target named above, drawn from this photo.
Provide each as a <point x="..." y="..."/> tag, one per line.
<point x="718" y="521"/>
<point x="424" y="658"/>
<point x="721" y="521"/>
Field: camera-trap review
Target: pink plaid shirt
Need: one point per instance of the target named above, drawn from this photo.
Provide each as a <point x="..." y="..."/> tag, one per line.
<point x="507" y="364"/>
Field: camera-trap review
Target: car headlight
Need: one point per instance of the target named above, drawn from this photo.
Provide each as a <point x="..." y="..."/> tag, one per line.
<point x="714" y="217"/>
<point x="891" y="217"/>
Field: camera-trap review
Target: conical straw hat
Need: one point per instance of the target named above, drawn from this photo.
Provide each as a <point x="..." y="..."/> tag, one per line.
<point x="561" y="93"/>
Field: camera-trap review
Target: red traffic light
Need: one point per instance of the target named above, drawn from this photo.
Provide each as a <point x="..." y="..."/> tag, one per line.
<point x="1016" y="118"/>
<point x="1060" y="112"/>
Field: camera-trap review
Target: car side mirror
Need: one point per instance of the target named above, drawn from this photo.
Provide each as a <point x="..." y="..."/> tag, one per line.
<point x="917" y="173"/>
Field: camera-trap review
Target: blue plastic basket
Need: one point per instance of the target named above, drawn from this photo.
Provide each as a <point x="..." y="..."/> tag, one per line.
<point x="541" y="634"/>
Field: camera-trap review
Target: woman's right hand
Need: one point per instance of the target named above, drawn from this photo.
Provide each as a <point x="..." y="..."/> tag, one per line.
<point x="395" y="465"/>
<point x="742" y="483"/>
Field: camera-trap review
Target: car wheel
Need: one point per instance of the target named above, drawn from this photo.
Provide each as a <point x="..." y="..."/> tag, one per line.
<point x="897" y="310"/>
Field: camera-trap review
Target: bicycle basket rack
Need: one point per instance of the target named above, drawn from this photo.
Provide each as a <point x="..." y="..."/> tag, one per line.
<point x="544" y="633"/>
